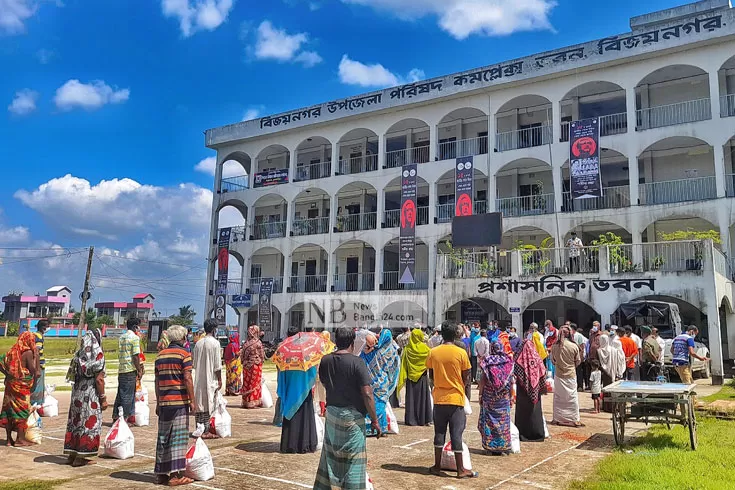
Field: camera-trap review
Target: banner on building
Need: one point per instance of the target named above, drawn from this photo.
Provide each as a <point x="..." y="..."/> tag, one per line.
<point x="223" y="265"/>
<point x="409" y="213"/>
<point x="241" y="301"/>
<point x="272" y="177"/>
<point x="584" y="159"/>
<point x="463" y="186"/>
<point x="265" y="318"/>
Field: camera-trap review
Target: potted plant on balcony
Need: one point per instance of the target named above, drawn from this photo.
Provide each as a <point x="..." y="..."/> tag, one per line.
<point x="697" y="238"/>
<point x="616" y="256"/>
<point x="539" y="201"/>
<point x="658" y="262"/>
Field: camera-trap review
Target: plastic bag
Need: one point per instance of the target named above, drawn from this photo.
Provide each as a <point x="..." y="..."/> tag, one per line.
<point x="392" y="420"/>
<point x="266" y="399"/>
<point x="199" y="464"/>
<point x="33" y="433"/>
<point x="549" y="385"/>
<point x="142" y="415"/>
<point x="319" y="432"/>
<point x="120" y="442"/>
<point x="50" y="407"/>
<point x="142" y="395"/>
<point x="221" y="421"/>
<point x="515" y="439"/>
<point x="467" y="406"/>
<point x="546" y="430"/>
<point x="368" y="482"/>
<point x="199" y="432"/>
<point x="449" y="463"/>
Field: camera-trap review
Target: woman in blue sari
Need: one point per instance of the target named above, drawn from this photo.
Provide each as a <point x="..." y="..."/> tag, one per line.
<point x="496" y="382"/>
<point x="384" y="364"/>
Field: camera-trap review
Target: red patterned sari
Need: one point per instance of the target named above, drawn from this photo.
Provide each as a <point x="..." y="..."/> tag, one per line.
<point x="18" y="385"/>
<point x="252" y="356"/>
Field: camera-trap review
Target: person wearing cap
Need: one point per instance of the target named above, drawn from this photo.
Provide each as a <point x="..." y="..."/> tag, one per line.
<point x="538" y="340"/>
<point x="650" y="355"/>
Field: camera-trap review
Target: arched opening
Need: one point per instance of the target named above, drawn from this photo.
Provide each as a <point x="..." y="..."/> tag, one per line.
<point x="688" y="313"/>
<point x="726" y="82"/>
<point x="560" y="309"/>
<point x="727" y="329"/>
<point x="392" y="203"/>
<point x="523" y="122"/>
<point x="357" y="207"/>
<point x="235" y="266"/>
<point x="677" y="169"/>
<point x="525" y="187"/>
<point x="313" y="159"/>
<point x="404" y="314"/>
<point x="674" y="94"/>
<point x="604" y="100"/>
<point x="476" y="309"/>
<point x="309" y="269"/>
<point x="233" y="214"/>
<point x="235" y="171"/>
<point x="311" y="212"/>
<point x="270" y="217"/>
<point x="729" y="153"/>
<point x="674" y="244"/>
<point x="461" y="133"/>
<point x="615" y="185"/>
<point x="354" y="266"/>
<point x="272" y="334"/>
<point x="391" y="267"/>
<point x="306" y="316"/>
<point x="271" y="166"/>
<point x="358" y="152"/>
<point x="407" y="141"/>
<point x="266" y="263"/>
<point x="445" y="203"/>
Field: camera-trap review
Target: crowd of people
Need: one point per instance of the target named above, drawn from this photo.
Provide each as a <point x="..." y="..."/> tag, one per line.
<point x="354" y="387"/>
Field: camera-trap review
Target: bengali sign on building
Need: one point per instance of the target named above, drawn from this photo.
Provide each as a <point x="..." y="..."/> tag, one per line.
<point x="554" y="283"/>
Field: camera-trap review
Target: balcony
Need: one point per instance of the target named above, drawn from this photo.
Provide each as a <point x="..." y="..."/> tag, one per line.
<point x="357" y="222"/>
<point x="672" y="114"/>
<point x="358" y="165"/>
<point x="523" y="138"/>
<point x="445" y="212"/>
<point x="273" y="229"/>
<point x="392" y="217"/>
<point x="730" y="185"/>
<point x="727" y="105"/>
<point x="233" y="287"/>
<point x="234" y="184"/>
<point x="680" y="256"/>
<point x="313" y="171"/>
<point x="525" y="205"/>
<point x="543" y="261"/>
<point x="398" y="158"/>
<point x="695" y="189"/>
<point x="311" y="226"/>
<point x="462" y="148"/>
<point x="391" y="278"/>
<point x="254" y="284"/>
<point x="308" y="284"/>
<point x="610" y="124"/>
<point x="354" y="282"/>
<point x="473" y="265"/>
<point x="612" y="198"/>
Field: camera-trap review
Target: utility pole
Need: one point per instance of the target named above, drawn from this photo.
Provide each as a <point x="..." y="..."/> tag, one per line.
<point x="85" y="296"/>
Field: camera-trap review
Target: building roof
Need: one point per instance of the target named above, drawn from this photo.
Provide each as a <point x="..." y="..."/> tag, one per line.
<point x="143" y="296"/>
<point x="123" y="304"/>
<point x="34" y="299"/>
<point x="56" y="289"/>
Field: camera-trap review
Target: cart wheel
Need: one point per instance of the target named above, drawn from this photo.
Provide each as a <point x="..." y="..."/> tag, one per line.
<point x="618" y="420"/>
<point x="692" y="425"/>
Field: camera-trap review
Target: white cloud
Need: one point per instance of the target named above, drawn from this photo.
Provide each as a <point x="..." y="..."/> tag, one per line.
<point x="197" y="15"/>
<point x="461" y="18"/>
<point x="15" y="235"/>
<point x="13" y="13"/>
<point x="207" y="166"/>
<point x="45" y="55"/>
<point x="251" y="113"/>
<point x="24" y="102"/>
<point x="354" y="72"/>
<point x="88" y="96"/>
<point x="276" y="44"/>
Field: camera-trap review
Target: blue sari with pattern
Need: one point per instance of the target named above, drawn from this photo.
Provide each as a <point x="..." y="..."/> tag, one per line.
<point x="384" y="365"/>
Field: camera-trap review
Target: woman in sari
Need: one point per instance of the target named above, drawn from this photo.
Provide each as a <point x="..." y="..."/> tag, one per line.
<point x="88" y="400"/>
<point x="234" y="366"/>
<point x="383" y="364"/>
<point x="495" y="385"/>
<point x="252" y="356"/>
<point x="414" y="376"/>
<point x="612" y="365"/>
<point x="19" y="368"/>
<point x="530" y="374"/>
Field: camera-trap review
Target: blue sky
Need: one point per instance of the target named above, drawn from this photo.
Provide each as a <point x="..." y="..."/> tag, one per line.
<point x="104" y="90"/>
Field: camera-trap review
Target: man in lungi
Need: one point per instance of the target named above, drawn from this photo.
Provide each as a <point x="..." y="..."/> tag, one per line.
<point x="207" y="375"/>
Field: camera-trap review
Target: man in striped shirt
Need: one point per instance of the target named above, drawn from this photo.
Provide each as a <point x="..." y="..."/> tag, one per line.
<point x="39" y="390"/>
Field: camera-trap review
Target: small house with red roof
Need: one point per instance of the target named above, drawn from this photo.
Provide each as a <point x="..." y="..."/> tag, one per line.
<point x="141" y="307"/>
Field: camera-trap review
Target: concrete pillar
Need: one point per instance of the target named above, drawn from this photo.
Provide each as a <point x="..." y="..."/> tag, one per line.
<point x="558" y="188"/>
<point x="433" y="193"/>
<point x="575" y="108"/>
<point x="335" y="159"/>
<point x="379" y="257"/>
<point x="289" y="217"/>
<point x="516" y="263"/>
<point x="723" y="222"/>
<point x="637" y="247"/>
<point x="379" y="208"/>
<point x="604" y="262"/>
<point x="719" y="157"/>
<point x="555" y="121"/>
<point x="730" y="339"/>
<point x="630" y="108"/>
<point x="633" y="178"/>
<point x="381" y="151"/>
<point x="714" y="93"/>
<point x="712" y="311"/>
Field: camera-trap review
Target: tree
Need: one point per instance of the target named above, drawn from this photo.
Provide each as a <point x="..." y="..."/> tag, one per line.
<point x="185" y="317"/>
<point x="105" y="320"/>
<point x="90" y="318"/>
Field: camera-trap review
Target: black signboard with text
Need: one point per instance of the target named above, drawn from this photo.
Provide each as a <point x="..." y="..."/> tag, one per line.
<point x="272" y="177"/>
<point x="584" y="159"/>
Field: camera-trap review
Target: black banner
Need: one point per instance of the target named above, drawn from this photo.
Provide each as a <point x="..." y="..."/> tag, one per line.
<point x="265" y="318"/>
<point x="409" y="213"/>
<point x="463" y="186"/>
<point x="223" y="265"/>
<point x="584" y="159"/>
<point x="273" y="177"/>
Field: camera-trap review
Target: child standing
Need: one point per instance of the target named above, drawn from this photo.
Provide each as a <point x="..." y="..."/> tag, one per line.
<point x="596" y="384"/>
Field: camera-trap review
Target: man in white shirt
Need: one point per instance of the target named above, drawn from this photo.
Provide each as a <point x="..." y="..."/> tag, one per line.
<point x="435" y="339"/>
<point x="661" y="343"/>
<point x="482" y="345"/>
<point x="574" y="244"/>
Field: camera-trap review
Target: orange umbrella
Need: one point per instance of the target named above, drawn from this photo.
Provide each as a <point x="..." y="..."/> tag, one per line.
<point x="301" y="352"/>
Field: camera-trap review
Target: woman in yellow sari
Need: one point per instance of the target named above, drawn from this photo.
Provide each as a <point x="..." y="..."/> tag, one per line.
<point x="414" y="377"/>
<point x="234" y="366"/>
<point x="19" y="368"/>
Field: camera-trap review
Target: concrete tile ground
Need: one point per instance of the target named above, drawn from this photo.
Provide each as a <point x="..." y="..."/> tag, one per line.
<point x="250" y="459"/>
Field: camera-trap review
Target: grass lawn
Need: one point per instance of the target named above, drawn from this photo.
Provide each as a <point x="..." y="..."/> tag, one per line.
<point x="58" y="348"/>
<point x="726" y="393"/>
<point x="30" y="484"/>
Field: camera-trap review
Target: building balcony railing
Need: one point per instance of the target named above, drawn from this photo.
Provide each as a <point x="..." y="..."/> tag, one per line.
<point x="657" y="256"/>
<point x="308" y="284"/>
<point x="392" y="217"/>
<point x="472" y="265"/>
<point x="398" y="158"/>
<point x="358" y="165"/>
<point x="445" y="212"/>
<point x="525" y="205"/>
<point x="233" y="287"/>
<point x="357" y="222"/>
<point x="543" y="261"/>
<point x="720" y="263"/>
<point x="523" y="138"/>
<point x="727" y="105"/>
<point x="612" y="198"/>
<point x="610" y="124"/>
<point x="313" y="171"/>
<point x="273" y="229"/>
<point x="696" y="189"/>
<point x="354" y="282"/>
<point x="462" y="148"/>
<point x="730" y="185"/>
<point x="310" y="226"/>
<point x="254" y="284"/>
<point x="234" y="184"/>
<point x="391" y="281"/>
<point x="671" y="114"/>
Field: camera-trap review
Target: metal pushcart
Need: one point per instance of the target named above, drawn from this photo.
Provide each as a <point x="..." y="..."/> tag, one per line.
<point x="652" y="403"/>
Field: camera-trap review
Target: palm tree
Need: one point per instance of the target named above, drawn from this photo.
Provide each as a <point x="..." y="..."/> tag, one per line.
<point x="187" y="313"/>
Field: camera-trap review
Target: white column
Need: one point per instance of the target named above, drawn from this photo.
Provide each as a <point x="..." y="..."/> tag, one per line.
<point x="714" y="93"/>
<point x="432" y="279"/>
<point x="558" y="187"/>
<point x="555" y="122"/>
<point x="335" y="159"/>
<point x="637" y="247"/>
<point x="433" y="142"/>
<point x="378" y="269"/>
<point x="633" y="178"/>
<point x="381" y="151"/>
<point x="380" y="206"/>
<point x="719" y="154"/>
<point x="630" y="108"/>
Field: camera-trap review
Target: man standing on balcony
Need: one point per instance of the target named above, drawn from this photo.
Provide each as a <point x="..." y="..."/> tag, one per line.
<point x="574" y="244"/>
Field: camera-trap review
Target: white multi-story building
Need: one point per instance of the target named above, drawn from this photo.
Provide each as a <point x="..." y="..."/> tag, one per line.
<point x="318" y="188"/>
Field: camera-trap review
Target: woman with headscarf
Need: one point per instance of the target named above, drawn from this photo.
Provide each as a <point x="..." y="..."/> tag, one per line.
<point x="566" y="357"/>
<point x="233" y="365"/>
<point x="88" y="400"/>
<point x="383" y="364"/>
<point x="252" y="356"/>
<point x="612" y="365"/>
<point x="414" y="376"/>
<point x="530" y="373"/>
<point x="495" y="385"/>
<point x="19" y="368"/>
